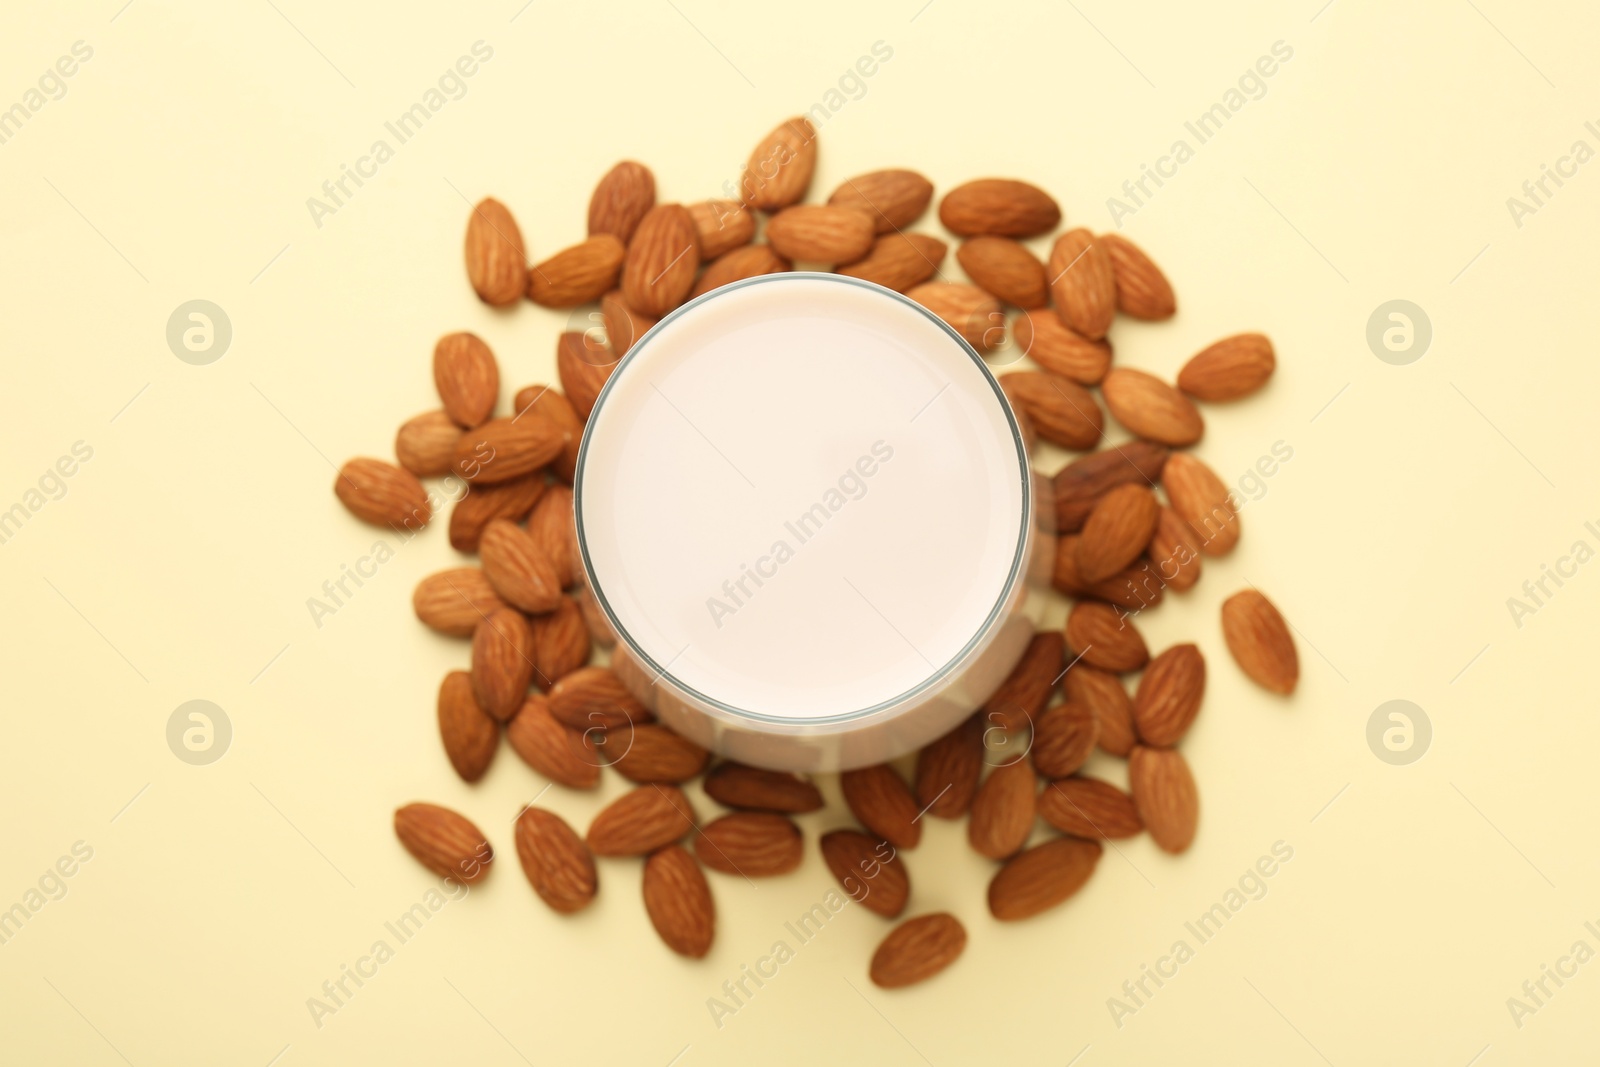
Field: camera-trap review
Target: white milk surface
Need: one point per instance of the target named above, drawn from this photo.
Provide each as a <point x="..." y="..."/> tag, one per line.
<point x="801" y="498"/>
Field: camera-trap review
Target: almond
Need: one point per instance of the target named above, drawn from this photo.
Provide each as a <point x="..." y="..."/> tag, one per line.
<point x="443" y="841"/>
<point x="678" y="901"/>
<point x="454" y="601"/>
<point x="382" y="494"/>
<point x="485" y="503"/>
<point x="495" y="257"/>
<point x="552" y="528"/>
<point x="721" y="226"/>
<point x="1080" y="483"/>
<point x="1104" y="637"/>
<point x="1135" y="587"/>
<point x="1043" y="339"/>
<point x="1089" y="808"/>
<point x="1002" y="812"/>
<point x="880" y="799"/>
<point x="1143" y="292"/>
<point x="1063" y="739"/>
<point x="518" y="569"/>
<point x="779" y="171"/>
<point x="870" y="871"/>
<point x="755" y="789"/>
<point x="467" y="377"/>
<point x="1260" y="641"/>
<point x="1169" y="695"/>
<point x="1022" y="697"/>
<point x="899" y="261"/>
<point x="560" y="642"/>
<point x="948" y="770"/>
<point x="621" y="199"/>
<point x="594" y="697"/>
<point x="548" y="406"/>
<point x="594" y="617"/>
<point x="556" y="861"/>
<point x="1006" y="269"/>
<point x="892" y="199"/>
<point x="1231" y="368"/>
<point x="624" y="326"/>
<point x="968" y="310"/>
<point x="1102" y="692"/>
<point x="583" y="364"/>
<point x="1151" y="408"/>
<point x="918" y="949"/>
<point x="1201" y="500"/>
<point x="503" y="449"/>
<point x="656" y="754"/>
<point x="1082" y="283"/>
<point x="553" y="749"/>
<point x="755" y="844"/>
<point x="1175" y="551"/>
<point x="426" y="444"/>
<point x="470" y="736"/>
<point x="577" y="275"/>
<point x="1000" y="206"/>
<point x="1117" y="531"/>
<point x="1042" y="877"/>
<point x="1063" y="412"/>
<point x="817" y="233"/>
<point x="502" y="662"/>
<point x="751" y="261"/>
<point x="640" y="821"/>
<point x="662" y="259"/>
<point x="1163" y="791"/>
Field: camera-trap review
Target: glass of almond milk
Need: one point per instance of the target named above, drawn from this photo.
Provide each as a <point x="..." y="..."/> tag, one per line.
<point x="804" y="505"/>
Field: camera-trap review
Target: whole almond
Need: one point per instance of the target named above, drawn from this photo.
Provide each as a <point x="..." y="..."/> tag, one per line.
<point x="1022" y="697"/>
<point x="503" y="449"/>
<point x="554" y="749"/>
<point x="469" y="734"/>
<point x="751" y="261"/>
<point x="1151" y="408"/>
<point x="547" y="405"/>
<point x="1169" y="696"/>
<point x="556" y="861"/>
<point x="1080" y="483"/>
<point x="583" y="363"/>
<point x="1164" y="792"/>
<point x="737" y="785"/>
<point x="817" y="233"/>
<point x="1042" y="877"/>
<point x="1260" y="641"/>
<point x="721" y="226"/>
<point x="577" y="275"/>
<point x="1104" y="637"/>
<point x="1000" y="206"/>
<point x="1082" y="283"/>
<point x="1005" y="269"/>
<point x="640" y="821"/>
<point x="656" y="754"/>
<point x="1229" y="369"/>
<point x="1143" y="292"/>
<point x="426" y="444"/>
<point x="892" y="199"/>
<point x="621" y="199"/>
<point x="1089" y="808"/>
<point x="495" y="257"/>
<point x="382" y="494"/>
<point x="870" y="871"/>
<point x="779" y="171"/>
<point x="467" y="377"/>
<point x="880" y="799"/>
<point x="518" y="569"/>
<point x="1175" y="551"/>
<point x="678" y="901"/>
<point x="1203" y="501"/>
<point x="966" y="309"/>
<point x="1117" y="531"/>
<point x="1063" y="739"/>
<point x="502" y="662"/>
<point x="662" y="260"/>
<point x="485" y="503"/>
<point x="560" y="642"/>
<point x="918" y="949"/>
<point x="1002" y="812"/>
<point x="1043" y="339"/>
<point x="1102" y="692"/>
<point x="552" y="528"/>
<point x="755" y="844"/>
<point x="445" y="842"/>
<point x="454" y="601"/>
<point x="1062" y="411"/>
<point x="899" y="261"/>
<point x="948" y="770"/>
<point x="595" y="698"/>
<point x="1135" y="587"/>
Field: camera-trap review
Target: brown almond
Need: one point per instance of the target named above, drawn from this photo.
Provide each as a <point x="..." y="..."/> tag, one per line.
<point x="553" y="529"/>
<point x="1203" y="501"/>
<point x="1104" y="637"/>
<point x="1117" y="531"/>
<point x="721" y="226"/>
<point x="948" y="770"/>
<point x="382" y="494"/>
<point x="503" y="449"/>
<point x="560" y="642"/>
<point x="779" y="171"/>
<point x="426" y="444"/>
<point x="485" y="503"/>
<point x="662" y="260"/>
<point x="554" y="749"/>
<point x="1002" y="812"/>
<point x="454" y="601"/>
<point x="869" y="870"/>
<point x="1000" y="206"/>
<point x="518" y="569"/>
<point x="577" y="275"/>
<point x="547" y="405"/>
<point x="678" y="901"/>
<point x="1169" y="695"/>
<point x="494" y="252"/>
<point x="1164" y="792"/>
<point x="917" y="949"/>
<point x="1063" y="739"/>
<point x="1043" y="339"/>
<point x="621" y="199"/>
<point x="881" y="800"/>
<point x="656" y="754"/>
<point x="1080" y="483"/>
<point x="1089" y="808"/>
<point x="445" y="842"/>
<point x="1175" y="551"/>
<point x="737" y="785"/>
<point x="1143" y="292"/>
<point x="1229" y="369"/>
<point x="1022" y="697"/>
<point x="624" y="326"/>
<point x="1151" y="408"/>
<point x="892" y="199"/>
<point x="1042" y="877"/>
<point x="467" y="377"/>
<point x="595" y="698"/>
<point x="1062" y="411"/>
<point x="640" y="821"/>
<point x="556" y="861"/>
<point x="899" y="261"/>
<point x="1103" y="692"/>
<point x="1082" y="283"/>
<point x="502" y="662"/>
<point x="1260" y="641"/>
<point x="1135" y="587"/>
<point x="751" y="261"/>
<point x="755" y="844"/>
<point x="469" y="734"/>
<point x="1005" y="269"/>
<point x="817" y="233"/>
<point x="966" y="309"/>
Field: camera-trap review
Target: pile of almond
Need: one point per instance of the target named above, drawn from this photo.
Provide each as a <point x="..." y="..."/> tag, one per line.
<point x="1131" y="523"/>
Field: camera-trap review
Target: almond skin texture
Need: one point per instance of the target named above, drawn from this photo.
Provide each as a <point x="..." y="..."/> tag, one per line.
<point x="948" y="770"/>
<point x="595" y="698"/>
<point x="1061" y="411"/>
<point x="1113" y="710"/>
<point x="751" y="261"/>
<point x="1080" y="483"/>
<point x="1005" y="269"/>
<point x="721" y="226"/>
<point x="918" y="949"/>
<point x="1002" y="812"/>
<point x="880" y="799"/>
<point x="1043" y="339"/>
<point x="553" y="529"/>
<point x="470" y="736"/>
<point x="1117" y="531"/>
<point x="892" y="199"/>
<point x="547" y="405"/>
<point x="1082" y="284"/>
<point x="1175" y="551"/>
<point x="817" y="233"/>
<point x="1042" y="877"/>
<point x="1022" y="697"/>
<point x="495" y="257"/>
<point x="1151" y="408"/>
<point x="1164" y="792"/>
<point x="1232" y="368"/>
<point x="756" y="844"/>
<point x="662" y="259"/>
<point x="641" y="821"/>
<point x="577" y="275"/>
<point x="899" y="261"/>
<point x="382" y="494"/>
<point x="1135" y="586"/>
<point x="1063" y="739"/>
<point x="621" y="199"/>
<point x="560" y="642"/>
<point x="656" y="754"/>
<point x="504" y="500"/>
<point x="1089" y="808"/>
<point x="554" y="750"/>
<point x="625" y="324"/>
<point x="502" y="662"/>
<point x="1260" y="641"/>
<point x="754" y="789"/>
<point x="503" y="449"/>
<point x="869" y="870"/>
<point x="467" y="378"/>
<point x="444" y="842"/>
<point x="1102" y="637"/>
<point x="678" y="901"/>
<point x="520" y="572"/>
<point x="556" y="861"/>
<point x="1000" y="206"/>
<point x="454" y="601"/>
<point x="1143" y="292"/>
<point x="1169" y="696"/>
<point x="779" y="171"/>
<point x="426" y="444"/>
<point x="968" y="310"/>
<point x="1203" y="501"/>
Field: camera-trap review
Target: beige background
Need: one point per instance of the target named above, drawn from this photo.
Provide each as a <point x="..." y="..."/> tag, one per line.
<point x="178" y="564"/>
